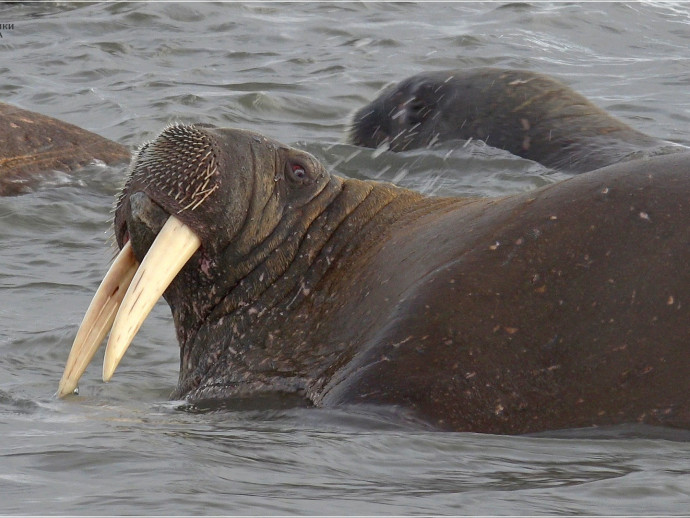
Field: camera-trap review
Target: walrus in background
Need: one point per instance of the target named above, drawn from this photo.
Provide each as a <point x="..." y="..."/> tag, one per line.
<point x="32" y="143"/>
<point x="558" y="308"/>
<point x="529" y="114"/>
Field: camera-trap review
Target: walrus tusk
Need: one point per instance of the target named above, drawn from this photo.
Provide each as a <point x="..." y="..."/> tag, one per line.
<point x="170" y="251"/>
<point x="99" y="318"/>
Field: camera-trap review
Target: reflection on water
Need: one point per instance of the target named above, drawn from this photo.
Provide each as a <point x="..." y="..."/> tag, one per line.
<point x="295" y="73"/>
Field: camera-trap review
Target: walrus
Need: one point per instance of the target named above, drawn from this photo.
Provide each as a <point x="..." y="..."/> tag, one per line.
<point x="559" y="308"/>
<point x="32" y="143"/>
<point x="526" y="113"/>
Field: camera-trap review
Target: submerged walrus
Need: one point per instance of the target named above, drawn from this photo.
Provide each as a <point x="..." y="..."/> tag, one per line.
<point x="559" y="308"/>
<point x="529" y="114"/>
<point x="32" y="143"/>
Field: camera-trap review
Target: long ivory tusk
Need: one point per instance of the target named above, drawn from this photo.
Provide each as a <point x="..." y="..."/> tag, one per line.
<point x="98" y="318"/>
<point x="170" y="251"/>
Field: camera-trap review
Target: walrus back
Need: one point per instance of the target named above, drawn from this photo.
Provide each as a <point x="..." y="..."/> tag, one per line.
<point x="33" y="143"/>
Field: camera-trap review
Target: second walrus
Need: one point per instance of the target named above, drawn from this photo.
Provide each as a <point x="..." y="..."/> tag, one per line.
<point x="33" y="145"/>
<point x="529" y="114"/>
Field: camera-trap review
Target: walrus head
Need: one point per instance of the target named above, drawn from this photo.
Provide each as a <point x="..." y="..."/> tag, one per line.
<point x="202" y="210"/>
<point x="403" y="116"/>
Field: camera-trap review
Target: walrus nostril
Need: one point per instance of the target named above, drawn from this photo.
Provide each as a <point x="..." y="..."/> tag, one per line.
<point x="180" y="164"/>
<point x="147" y="212"/>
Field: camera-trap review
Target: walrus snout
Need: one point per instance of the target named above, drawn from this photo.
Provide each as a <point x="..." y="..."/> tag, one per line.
<point x="178" y="170"/>
<point x="170" y="178"/>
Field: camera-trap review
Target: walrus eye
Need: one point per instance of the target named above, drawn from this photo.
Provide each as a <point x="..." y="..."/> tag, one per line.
<point x="417" y="111"/>
<point x="416" y="106"/>
<point x="298" y="171"/>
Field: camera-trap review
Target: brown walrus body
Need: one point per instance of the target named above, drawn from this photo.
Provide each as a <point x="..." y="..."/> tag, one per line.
<point x="32" y="143"/>
<point x="529" y="114"/>
<point x="564" y="307"/>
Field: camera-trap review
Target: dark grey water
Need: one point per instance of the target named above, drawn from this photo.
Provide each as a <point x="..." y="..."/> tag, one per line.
<point x="294" y="72"/>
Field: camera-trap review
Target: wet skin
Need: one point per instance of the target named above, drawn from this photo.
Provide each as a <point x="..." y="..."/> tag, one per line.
<point x="31" y="143"/>
<point x="529" y="114"/>
<point x="559" y="308"/>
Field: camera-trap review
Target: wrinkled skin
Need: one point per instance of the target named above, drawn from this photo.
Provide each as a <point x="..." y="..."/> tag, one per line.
<point x="31" y="144"/>
<point x="529" y="114"/>
<point x="564" y="307"/>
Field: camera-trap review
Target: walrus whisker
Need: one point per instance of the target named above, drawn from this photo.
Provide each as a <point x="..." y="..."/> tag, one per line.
<point x="202" y="195"/>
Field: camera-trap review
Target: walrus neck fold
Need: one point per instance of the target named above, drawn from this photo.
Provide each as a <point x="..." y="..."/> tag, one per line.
<point x="280" y="276"/>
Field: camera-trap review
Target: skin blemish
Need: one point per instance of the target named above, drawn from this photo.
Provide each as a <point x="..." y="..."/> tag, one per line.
<point x="205" y="266"/>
